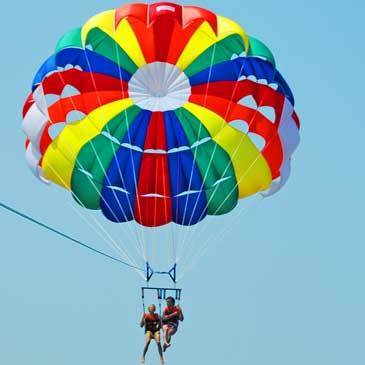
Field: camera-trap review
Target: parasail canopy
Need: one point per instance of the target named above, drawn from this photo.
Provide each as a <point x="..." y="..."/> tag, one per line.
<point x="160" y="113"/>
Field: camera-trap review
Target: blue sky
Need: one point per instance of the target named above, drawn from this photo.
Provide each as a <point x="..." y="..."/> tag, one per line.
<point x="285" y="283"/>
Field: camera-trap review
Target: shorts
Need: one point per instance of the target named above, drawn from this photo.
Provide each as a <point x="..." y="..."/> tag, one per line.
<point x="172" y="327"/>
<point x="153" y="335"/>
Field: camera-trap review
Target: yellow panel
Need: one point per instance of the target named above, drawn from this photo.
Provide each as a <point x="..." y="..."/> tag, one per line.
<point x="123" y="35"/>
<point x="60" y="158"/>
<point x="104" y="20"/>
<point x="212" y="121"/>
<point x="204" y="37"/>
<point x="251" y="169"/>
<point x="128" y="41"/>
<point x="227" y="27"/>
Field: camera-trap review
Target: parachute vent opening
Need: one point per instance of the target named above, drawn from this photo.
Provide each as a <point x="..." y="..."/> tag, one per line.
<point x="69" y="91"/>
<point x="159" y="86"/>
<point x="74" y="116"/>
<point x="55" y="129"/>
<point x="257" y="140"/>
<point x="268" y="112"/>
<point x="240" y="125"/>
<point x="248" y="101"/>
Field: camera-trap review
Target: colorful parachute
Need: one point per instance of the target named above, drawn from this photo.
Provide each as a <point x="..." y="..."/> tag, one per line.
<point x="161" y="113"/>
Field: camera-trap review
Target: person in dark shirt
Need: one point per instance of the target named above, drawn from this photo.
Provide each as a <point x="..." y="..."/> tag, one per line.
<point x="151" y="322"/>
<point x="172" y="315"/>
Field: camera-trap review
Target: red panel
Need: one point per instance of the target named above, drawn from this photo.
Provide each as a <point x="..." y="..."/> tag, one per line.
<point x="193" y="13"/>
<point x="236" y="90"/>
<point x="138" y="11"/>
<point x="82" y="81"/>
<point x="184" y="15"/>
<point x="180" y="38"/>
<point x="46" y="139"/>
<point x="154" y="178"/>
<point x="27" y="105"/>
<point x="273" y="153"/>
<point x="163" y="28"/>
<point x="296" y="119"/>
<point x="165" y="9"/>
<point x="85" y="103"/>
<point x="145" y="37"/>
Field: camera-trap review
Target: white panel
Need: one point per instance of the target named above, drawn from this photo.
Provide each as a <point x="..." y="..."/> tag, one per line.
<point x="277" y="184"/>
<point x="33" y="124"/>
<point x="288" y="131"/>
<point x="32" y="157"/>
<point x="39" y="98"/>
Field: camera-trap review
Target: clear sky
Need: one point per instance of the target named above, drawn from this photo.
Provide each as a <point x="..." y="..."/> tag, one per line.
<point x="285" y="283"/>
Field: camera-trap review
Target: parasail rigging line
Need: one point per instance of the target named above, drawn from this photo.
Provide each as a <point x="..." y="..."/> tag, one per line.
<point x="116" y="246"/>
<point x="64" y="235"/>
<point x="106" y="236"/>
<point x="184" y="242"/>
<point x="99" y="161"/>
<point x="234" y="153"/>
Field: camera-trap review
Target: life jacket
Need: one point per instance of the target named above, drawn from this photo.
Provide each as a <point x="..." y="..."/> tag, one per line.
<point x="171" y="310"/>
<point x="152" y="322"/>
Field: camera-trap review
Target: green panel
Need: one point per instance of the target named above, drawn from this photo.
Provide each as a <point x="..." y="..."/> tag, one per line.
<point x="217" y="53"/>
<point x="95" y="158"/>
<point x="86" y="188"/>
<point x="257" y="48"/>
<point x="103" y="44"/>
<point x="70" y="39"/>
<point x="120" y="123"/>
<point x="193" y="129"/>
<point x="221" y="197"/>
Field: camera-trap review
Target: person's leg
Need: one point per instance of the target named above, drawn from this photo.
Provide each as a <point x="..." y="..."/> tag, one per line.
<point x="165" y="331"/>
<point x="169" y="331"/>
<point x="147" y="344"/>
<point x="158" y="342"/>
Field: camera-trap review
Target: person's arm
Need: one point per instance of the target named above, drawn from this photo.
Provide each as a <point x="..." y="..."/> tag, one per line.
<point x="170" y="316"/>
<point x="181" y="314"/>
<point x="173" y="315"/>
<point x="143" y="320"/>
<point x="165" y="317"/>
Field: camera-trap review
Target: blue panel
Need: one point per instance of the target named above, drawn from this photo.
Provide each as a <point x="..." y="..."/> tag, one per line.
<point x="123" y="171"/>
<point x="48" y="66"/>
<point x="233" y="69"/>
<point x="88" y="60"/>
<point x="184" y="176"/>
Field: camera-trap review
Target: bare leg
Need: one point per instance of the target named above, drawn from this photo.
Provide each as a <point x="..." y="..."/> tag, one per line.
<point x="168" y="337"/>
<point x="148" y="341"/>
<point x="160" y="351"/>
<point x="168" y="333"/>
<point x="165" y="331"/>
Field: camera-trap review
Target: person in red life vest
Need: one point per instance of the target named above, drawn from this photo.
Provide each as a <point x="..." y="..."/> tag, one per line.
<point x="172" y="315"/>
<point x="151" y="322"/>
